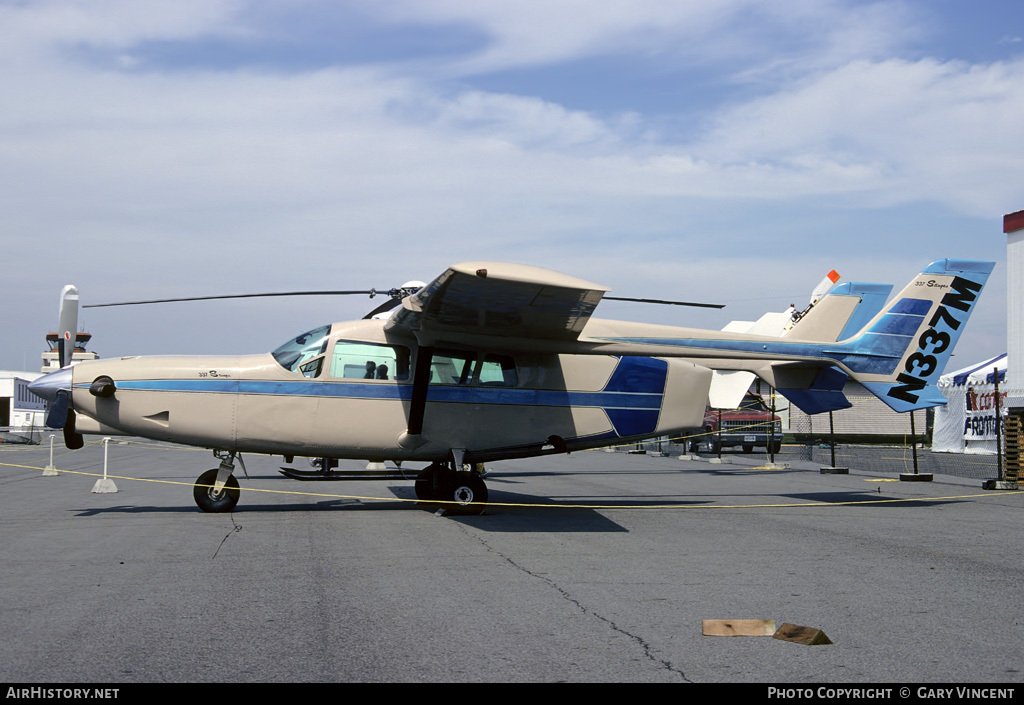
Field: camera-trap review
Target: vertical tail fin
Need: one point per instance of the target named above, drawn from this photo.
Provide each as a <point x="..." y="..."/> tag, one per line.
<point x="900" y="354"/>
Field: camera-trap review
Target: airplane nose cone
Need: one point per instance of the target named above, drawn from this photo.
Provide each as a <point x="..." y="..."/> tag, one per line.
<point x="48" y="385"/>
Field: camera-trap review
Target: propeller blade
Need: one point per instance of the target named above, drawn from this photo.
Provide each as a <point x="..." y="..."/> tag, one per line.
<point x="67" y="323"/>
<point x="396" y="294"/>
<point x="72" y="439"/>
<point x="663" y="301"/>
<point x="367" y="292"/>
<point x="59" y="410"/>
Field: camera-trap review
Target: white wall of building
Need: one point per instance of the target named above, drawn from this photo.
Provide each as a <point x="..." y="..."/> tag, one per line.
<point x="1013" y="226"/>
<point x="24" y="409"/>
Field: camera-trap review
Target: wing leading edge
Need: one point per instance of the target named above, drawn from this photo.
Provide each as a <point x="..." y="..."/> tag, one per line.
<point x="479" y="301"/>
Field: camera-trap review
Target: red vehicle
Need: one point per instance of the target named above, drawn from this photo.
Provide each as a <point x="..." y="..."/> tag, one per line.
<point x="750" y="425"/>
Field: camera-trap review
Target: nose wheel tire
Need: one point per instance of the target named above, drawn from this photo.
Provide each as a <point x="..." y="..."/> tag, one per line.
<point x="208" y="499"/>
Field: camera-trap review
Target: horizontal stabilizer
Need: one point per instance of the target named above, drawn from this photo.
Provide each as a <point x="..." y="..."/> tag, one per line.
<point x="824" y="394"/>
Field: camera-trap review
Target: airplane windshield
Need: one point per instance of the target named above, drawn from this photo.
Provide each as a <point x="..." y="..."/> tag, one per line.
<point x="298" y="350"/>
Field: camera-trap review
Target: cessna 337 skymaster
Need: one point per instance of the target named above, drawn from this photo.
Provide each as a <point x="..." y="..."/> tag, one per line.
<point x="493" y="361"/>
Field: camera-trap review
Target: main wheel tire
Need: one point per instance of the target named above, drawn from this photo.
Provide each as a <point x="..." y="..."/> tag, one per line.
<point x="468" y="492"/>
<point x="425" y="491"/>
<point x="211" y="501"/>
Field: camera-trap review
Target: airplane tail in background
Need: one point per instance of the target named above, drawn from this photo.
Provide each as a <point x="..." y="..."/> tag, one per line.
<point x="844" y="310"/>
<point x="831" y="316"/>
<point x="899" y="355"/>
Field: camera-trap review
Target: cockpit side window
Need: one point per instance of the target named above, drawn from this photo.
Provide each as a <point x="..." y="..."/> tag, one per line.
<point x="498" y="371"/>
<point x="466" y="368"/>
<point x="351" y="360"/>
<point x="451" y="367"/>
<point x="300" y="350"/>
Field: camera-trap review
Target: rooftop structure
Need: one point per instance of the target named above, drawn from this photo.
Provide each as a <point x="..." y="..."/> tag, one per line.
<point x="51" y="358"/>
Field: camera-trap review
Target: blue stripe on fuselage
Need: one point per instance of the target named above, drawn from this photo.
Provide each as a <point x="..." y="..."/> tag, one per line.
<point x="385" y="390"/>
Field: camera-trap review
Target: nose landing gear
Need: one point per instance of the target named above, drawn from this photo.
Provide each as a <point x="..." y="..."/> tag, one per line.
<point x="217" y="490"/>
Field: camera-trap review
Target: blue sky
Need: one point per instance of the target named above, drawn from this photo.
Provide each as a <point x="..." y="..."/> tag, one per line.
<point x="732" y="151"/>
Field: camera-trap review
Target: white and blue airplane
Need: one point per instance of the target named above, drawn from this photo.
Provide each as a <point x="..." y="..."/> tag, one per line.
<point x="491" y="361"/>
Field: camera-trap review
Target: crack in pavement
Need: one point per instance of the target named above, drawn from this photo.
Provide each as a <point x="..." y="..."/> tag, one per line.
<point x="235" y="530"/>
<point x="642" y="643"/>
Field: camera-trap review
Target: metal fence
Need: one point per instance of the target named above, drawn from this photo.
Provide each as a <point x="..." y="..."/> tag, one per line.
<point x="896" y="459"/>
<point x="888" y="458"/>
<point x="18" y="435"/>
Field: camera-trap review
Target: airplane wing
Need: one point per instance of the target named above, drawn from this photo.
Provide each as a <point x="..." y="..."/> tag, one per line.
<point x="498" y="303"/>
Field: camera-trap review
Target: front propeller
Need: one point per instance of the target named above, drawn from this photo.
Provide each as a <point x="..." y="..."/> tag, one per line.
<point x="58" y="414"/>
<point x="72" y="439"/>
<point x="55" y="388"/>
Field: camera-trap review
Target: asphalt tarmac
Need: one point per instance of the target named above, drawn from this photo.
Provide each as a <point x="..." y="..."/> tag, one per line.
<point x="592" y="567"/>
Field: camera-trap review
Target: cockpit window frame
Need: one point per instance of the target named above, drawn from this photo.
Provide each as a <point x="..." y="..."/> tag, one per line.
<point x="298" y="351"/>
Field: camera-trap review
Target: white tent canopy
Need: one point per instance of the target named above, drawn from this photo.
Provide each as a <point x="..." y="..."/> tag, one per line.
<point x="981" y="373"/>
<point x="967" y="423"/>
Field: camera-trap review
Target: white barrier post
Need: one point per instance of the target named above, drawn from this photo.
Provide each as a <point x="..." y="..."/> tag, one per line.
<point x="104" y="484"/>
<point x="50" y="470"/>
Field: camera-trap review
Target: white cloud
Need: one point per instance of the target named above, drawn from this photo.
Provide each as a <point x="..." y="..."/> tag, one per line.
<point x="205" y="181"/>
<point x="923" y="130"/>
<point x="522" y="120"/>
<point x="39" y="29"/>
<point x="805" y="34"/>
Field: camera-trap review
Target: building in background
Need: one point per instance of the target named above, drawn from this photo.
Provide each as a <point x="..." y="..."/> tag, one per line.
<point x="20" y="410"/>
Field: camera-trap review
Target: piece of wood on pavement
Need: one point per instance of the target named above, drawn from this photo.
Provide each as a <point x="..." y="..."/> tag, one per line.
<point x="802" y="635"/>
<point x="739" y="627"/>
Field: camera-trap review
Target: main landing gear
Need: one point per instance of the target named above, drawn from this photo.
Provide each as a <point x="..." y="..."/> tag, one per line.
<point x="462" y="491"/>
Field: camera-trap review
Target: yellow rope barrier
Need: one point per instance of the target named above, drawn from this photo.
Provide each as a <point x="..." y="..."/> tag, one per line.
<point x="551" y="506"/>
